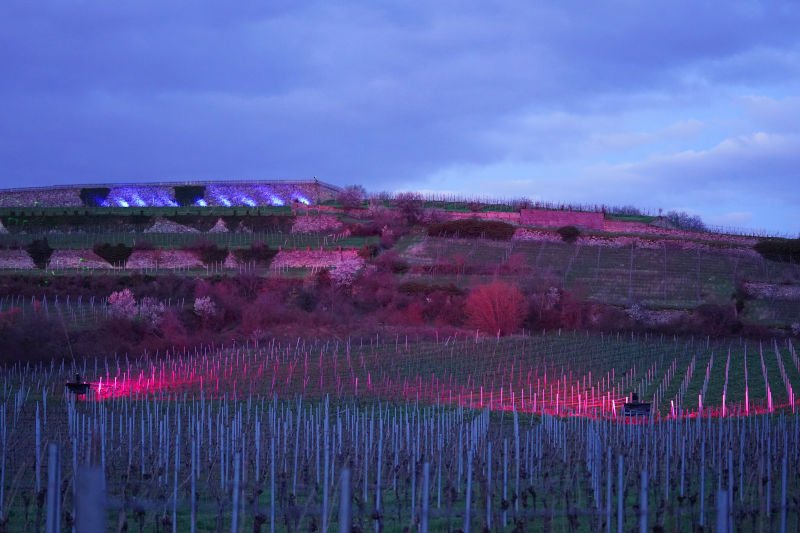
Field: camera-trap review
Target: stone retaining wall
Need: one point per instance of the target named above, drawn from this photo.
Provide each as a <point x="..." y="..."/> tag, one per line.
<point x="547" y="218"/>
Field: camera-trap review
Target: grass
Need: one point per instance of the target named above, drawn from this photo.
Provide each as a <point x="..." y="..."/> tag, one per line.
<point x="644" y="219"/>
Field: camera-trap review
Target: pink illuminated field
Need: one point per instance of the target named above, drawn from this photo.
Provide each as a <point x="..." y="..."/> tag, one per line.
<point x="571" y="375"/>
<point x="517" y="433"/>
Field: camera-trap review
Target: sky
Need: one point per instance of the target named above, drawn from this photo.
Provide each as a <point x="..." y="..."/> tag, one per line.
<point x="683" y="105"/>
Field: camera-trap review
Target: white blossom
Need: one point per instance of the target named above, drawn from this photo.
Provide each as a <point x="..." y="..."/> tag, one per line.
<point x="122" y="304"/>
<point x="205" y="307"/>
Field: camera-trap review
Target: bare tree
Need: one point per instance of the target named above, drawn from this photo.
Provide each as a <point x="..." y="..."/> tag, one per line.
<point x="352" y="196"/>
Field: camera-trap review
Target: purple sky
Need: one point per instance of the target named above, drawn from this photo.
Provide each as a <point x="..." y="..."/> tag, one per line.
<point x="674" y="105"/>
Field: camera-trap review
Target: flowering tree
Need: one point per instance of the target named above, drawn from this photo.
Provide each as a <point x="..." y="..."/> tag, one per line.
<point x="410" y="205"/>
<point x="345" y="272"/>
<point x="151" y="311"/>
<point x="122" y="304"/>
<point x="205" y="307"/>
<point x="496" y="308"/>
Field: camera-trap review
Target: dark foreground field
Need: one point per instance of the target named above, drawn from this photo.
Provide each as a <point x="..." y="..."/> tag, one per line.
<point x="520" y="433"/>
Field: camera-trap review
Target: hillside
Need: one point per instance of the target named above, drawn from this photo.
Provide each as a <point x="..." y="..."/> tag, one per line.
<point x="394" y="264"/>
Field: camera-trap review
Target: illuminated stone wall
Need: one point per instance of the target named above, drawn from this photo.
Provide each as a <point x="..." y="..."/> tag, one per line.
<point x="223" y="194"/>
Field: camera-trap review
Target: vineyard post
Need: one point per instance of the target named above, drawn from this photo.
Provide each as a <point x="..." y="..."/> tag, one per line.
<point x="468" y="504"/>
<point x="413" y="467"/>
<point x="608" y="489"/>
<point x="175" y="479"/>
<point x="326" y="464"/>
<point x="620" y="493"/>
<point x="643" y="504"/>
<point x="272" y="483"/>
<point x="516" y="456"/>
<point x="683" y="465"/>
<point x="38" y="451"/>
<point x="53" y="524"/>
<point x="730" y="486"/>
<point x="378" y="479"/>
<point x="783" y="490"/>
<point x="505" y="480"/>
<point x="702" y="520"/>
<point x="722" y="511"/>
<point x="426" y="475"/>
<point x="193" y="495"/>
<point x="344" y="503"/>
<point x="769" y="471"/>
<point x="237" y="466"/>
<point x="489" y="486"/>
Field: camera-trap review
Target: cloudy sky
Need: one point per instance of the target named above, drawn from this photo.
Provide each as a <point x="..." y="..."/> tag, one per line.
<point x="662" y="104"/>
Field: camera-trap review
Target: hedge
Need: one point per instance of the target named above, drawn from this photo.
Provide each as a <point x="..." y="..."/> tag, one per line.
<point x="776" y="249"/>
<point x="115" y="254"/>
<point x="40" y="252"/>
<point x="257" y="252"/>
<point x="473" y="229"/>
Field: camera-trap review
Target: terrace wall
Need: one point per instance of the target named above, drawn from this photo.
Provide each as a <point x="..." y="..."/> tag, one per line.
<point x="235" y="193"/>
<point x="547" y="218"/>
<point x="511" y="217"/>
<point x="63" y="197"/>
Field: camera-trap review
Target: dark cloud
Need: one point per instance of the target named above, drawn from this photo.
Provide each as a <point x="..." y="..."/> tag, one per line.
<point x="380" y="93"/>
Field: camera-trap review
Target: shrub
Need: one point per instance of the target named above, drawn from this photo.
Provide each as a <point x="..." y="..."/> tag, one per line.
<point x="496" y="308"/>
<point x="345" y="273"/>
<point x="208" y="252"/>
<point x="351" y="196"/>
<point x="151" y="311"/>
<point x="392" y="262"/>
<point x="364" y="230"/>
<point x="204" y="307"/>
<point x="417" y="287"/>
<point x="776" y="249"/>
<point x="716" y="320"/>
<point x="122" y="304"/>
<point x="569" y="234"/>
<point x="685" y="221"/>
<point x="257" y="252"/>
<point x="626" y="210"/>
<point x="189" y="194"/>
<point x="473" y="229"/>
<point x="40" y="252"/>
<point x="94" y="196"/>
<point x="521" y="203"/>
<point x="115" y="254"/>
<point x="410" y="206"/>
<point x="143" y="245"/>
<point x="368" y="251"/>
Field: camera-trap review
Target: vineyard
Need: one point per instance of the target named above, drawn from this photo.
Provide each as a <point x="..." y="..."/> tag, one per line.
<point x="663" y="277"/>
<point x="522" y="433"/>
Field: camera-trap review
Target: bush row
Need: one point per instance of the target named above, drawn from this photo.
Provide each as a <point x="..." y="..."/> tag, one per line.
<point x="140" y="222"/>
<point x="473" y="229"/>
<point x="787" y="250"/>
